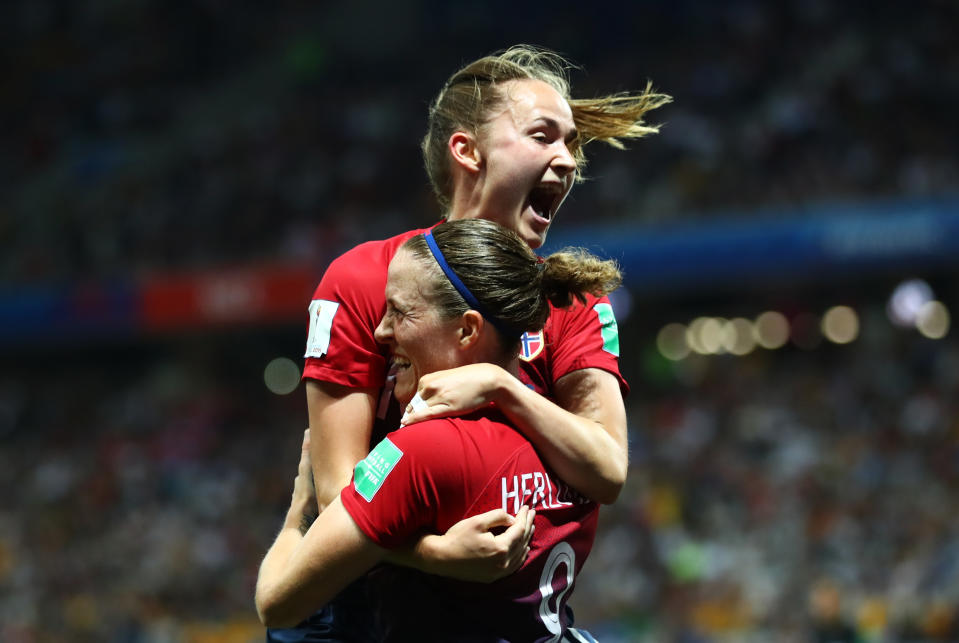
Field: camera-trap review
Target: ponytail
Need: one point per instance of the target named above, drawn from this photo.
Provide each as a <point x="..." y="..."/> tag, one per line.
<point x="573" y="272"/>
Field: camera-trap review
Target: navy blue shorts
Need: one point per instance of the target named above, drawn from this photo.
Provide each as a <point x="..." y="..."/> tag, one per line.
<point x="348" y="618"/>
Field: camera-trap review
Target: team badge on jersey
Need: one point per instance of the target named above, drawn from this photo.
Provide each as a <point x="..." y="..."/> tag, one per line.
<point x="531" y="345"/>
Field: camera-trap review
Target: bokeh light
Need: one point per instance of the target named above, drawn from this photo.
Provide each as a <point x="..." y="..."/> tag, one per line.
<point x="906" y="301"/>
<point x="771" y="330"/>
<point x="840" y="325"/>
<point x="711" y="335"/>
<point x="671" y="341"/>
<point x="694" y="335"/>
<point x="281" y="376"/>
<point x="933" y="320"/>
<point x="739" y="336"/>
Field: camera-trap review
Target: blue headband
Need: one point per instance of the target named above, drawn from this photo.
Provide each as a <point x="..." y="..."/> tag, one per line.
<point x="461" y="288"/>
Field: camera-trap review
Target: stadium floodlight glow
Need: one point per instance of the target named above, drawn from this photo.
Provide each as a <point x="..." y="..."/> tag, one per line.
<point x="739" y="336"/>
<point x="281" y="375"/>
<point x="840" y="325"/>
<point x="906" y="300"/>
<point x="771" y="330"/>
<point x="671" y="342"/>
<point x="933" y="320"/>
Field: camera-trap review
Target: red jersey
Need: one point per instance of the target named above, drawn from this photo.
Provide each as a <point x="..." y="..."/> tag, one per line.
<point x="348" y="305"/>
<point x="430" y="475"/>
<point x="349" y="302"/>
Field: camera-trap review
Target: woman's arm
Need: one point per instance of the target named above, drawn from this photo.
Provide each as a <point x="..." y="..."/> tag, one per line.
<point x="303" y="571"/>
<point x="341" y="422"/>
<point x="582" y="437"/>
<point x="470" y="550"/>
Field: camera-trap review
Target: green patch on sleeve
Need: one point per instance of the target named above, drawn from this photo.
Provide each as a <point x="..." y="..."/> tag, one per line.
<point x="609" y="328"/>
<point x="369" y="474"/>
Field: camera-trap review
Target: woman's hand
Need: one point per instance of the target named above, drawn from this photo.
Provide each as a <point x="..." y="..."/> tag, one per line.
<point x="303" y="508"/>
<point x="455" y="391"/>
<point x="470" y="550"/>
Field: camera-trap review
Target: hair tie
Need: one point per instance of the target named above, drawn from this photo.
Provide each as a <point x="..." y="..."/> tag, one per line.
<point x="540" y="264"/>
<point x="464" y="292"/>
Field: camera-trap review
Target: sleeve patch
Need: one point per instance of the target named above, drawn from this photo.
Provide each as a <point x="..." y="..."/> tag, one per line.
<point x="608" y="328"/>
<point x="321" y="322"/>
<point x="371" y="472"/>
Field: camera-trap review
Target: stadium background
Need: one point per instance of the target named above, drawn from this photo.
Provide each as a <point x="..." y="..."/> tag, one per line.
<point x="176" y="175"/>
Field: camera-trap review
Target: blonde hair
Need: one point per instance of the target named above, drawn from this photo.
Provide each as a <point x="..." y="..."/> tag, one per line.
<point x="474" y="92"/>
<point x="508" y="280"/>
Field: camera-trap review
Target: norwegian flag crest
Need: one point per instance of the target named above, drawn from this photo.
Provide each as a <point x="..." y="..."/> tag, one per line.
<point x="530" y="345"/>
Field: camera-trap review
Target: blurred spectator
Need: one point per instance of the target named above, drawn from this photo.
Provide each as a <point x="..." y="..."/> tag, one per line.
<point x="829" y="625"/>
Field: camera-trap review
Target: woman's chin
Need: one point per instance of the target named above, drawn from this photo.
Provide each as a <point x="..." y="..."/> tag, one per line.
<point x="403" y="394"/>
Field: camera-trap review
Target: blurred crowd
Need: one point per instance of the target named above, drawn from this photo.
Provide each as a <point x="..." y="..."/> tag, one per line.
<point x="173" y="135"/>
<point x="789" y="496"/>
<point x="142" y="487"/>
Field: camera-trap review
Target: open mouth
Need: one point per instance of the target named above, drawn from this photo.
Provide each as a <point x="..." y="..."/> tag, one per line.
<point x="544" y="199"/>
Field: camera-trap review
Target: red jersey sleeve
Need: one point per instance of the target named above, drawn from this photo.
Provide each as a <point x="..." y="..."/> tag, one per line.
<point x="585" y="336"/>
<point x="346" y="308"/>
<point x="396" y="490"/>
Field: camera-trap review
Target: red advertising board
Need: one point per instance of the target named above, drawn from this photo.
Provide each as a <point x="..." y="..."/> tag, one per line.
<point x="245" y="295"/>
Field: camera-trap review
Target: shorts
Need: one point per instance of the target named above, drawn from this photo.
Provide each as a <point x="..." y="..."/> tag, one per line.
<point x="348" y="618"/>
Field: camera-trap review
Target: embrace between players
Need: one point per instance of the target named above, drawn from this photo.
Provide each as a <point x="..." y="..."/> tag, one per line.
<point x="484" y="495"/>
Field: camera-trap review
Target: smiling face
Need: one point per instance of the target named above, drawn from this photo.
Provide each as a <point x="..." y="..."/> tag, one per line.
<point x="420" y="340"/>
<point x="526" y="167"/>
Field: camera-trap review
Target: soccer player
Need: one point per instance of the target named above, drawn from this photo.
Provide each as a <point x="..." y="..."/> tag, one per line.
<point x="504" y="143"/>
<point x="460" y="294"/>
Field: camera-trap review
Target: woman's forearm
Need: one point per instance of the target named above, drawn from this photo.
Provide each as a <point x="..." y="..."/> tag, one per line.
<point x="583" y="437"/>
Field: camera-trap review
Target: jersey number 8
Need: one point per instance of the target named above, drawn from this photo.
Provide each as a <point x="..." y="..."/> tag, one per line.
<point x="561" y="555"/>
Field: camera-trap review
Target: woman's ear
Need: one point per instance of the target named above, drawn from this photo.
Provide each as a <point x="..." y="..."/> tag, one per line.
<point x="464" y="151"/>
<point x="471" y="328"/>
